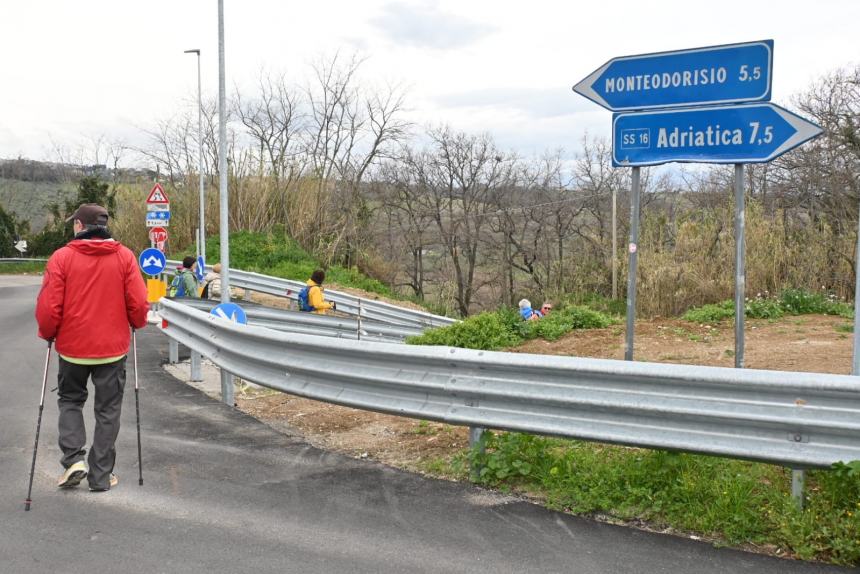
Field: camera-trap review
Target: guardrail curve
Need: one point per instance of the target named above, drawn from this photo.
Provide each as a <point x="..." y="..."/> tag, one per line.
<point x="346" y="302"/>
<point x="793" y="419"/>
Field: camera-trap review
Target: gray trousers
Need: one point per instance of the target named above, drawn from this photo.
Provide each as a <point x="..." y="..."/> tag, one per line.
<point x="109" y="383"/>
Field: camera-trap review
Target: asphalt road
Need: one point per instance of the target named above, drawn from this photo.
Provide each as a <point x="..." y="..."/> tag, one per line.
<point x="225" y="493"/>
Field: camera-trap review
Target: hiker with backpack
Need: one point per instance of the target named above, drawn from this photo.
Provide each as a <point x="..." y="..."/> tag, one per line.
<point x="311" y="297"/>
<point x="212" y="284"/>
<point x="185" y="282"/>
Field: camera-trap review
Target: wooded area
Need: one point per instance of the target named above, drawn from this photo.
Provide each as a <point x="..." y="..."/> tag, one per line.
<point x="451" y="219"/>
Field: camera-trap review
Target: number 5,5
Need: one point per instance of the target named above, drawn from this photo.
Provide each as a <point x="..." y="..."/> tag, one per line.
<point x="745" y="74"/>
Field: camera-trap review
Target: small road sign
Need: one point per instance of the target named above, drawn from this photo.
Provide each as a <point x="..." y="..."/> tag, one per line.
<point x="21" y="246"/>
<point x="158" y="207"/>
<point x="152" y="261"/>
<point x="231" y="312"/>
<point x="700" y="76"/>
<point x="201" y="268"/>
<point x="752" y="133"/>
<point x="158" y="237"/>
<point x="157" y="195"/>
<point x="157" y="218"/>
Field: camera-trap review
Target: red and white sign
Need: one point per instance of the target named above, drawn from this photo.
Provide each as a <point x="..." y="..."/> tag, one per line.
<point x="157" y="195"/>
<point x="158" y="237"/>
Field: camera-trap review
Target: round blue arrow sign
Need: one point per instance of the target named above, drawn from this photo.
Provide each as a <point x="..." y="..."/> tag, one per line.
<point x="152" y="261"/>
<point x="231" y="312"/>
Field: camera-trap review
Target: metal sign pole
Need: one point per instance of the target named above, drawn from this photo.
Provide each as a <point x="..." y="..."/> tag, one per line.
<point x="633" y="257"/>
<point x="740" y="273"/>
<point x="224" y="232"/>
<point x="855" y="363"/>
<point x="614" y="243"/>
<point x="201" y="245"/>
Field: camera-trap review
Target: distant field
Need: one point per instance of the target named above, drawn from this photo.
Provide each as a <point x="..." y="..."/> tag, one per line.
<point x="29" y="200"/>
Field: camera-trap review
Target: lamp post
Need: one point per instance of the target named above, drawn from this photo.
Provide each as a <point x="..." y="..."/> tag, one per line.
<point x="201" y="231"/>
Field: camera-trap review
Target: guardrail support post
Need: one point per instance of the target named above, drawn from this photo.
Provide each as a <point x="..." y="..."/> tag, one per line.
<point x="476" y="435"/>
<point x="798" y="478"/>
<point x="196" y="375"/>
<point x="246" y="296"/>
<point x="172" y="351"/>
<point x="227" y="388"/>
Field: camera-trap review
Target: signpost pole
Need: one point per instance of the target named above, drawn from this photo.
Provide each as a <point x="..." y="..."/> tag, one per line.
<point x="614" y="243"/>
<point x="633" y="256"/>
<point x="740" y="278"/>
<point x="855" y="363"/>
<point x="224" y="232"/>
<point x="201" y="246"/>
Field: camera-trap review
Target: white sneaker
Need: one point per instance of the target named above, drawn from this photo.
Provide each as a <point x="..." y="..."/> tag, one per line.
<point x="73" y="475"/>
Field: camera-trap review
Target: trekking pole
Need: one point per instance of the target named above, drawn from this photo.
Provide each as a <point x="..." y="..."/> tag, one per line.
<point x="28" y="502"/>
<point x="137" y="408"/>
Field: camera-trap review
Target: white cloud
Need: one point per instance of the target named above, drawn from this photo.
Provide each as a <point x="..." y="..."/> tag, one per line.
<point x="427" y="26"/>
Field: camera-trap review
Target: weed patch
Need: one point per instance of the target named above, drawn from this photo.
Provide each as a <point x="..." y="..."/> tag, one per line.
<point x="735" y="502"/>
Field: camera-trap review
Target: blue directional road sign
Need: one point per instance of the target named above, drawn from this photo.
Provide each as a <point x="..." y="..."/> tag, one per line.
<point x="732" y="73"/>
<point x="201" y="268"/>
<point x="231" y="312"/>
<point x="152" y="261"/>
<point x="751" y="133"/>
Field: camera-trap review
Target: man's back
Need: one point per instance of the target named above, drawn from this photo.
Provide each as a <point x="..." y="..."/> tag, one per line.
<point x="90" y="295"/>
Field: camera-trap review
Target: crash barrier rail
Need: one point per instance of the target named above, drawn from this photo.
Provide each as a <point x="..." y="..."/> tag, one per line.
<point x="346" y="302"/>
<point x="313" y="324"/>
<point x="799" y="420"/>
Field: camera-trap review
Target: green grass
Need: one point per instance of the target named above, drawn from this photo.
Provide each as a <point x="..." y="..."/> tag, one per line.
<point x="733" y="502"/>
<point x="504" y="328"/>
<point x="790" y="302"/>
<point x="20" y="268"/>
<point x="280" y="256"/>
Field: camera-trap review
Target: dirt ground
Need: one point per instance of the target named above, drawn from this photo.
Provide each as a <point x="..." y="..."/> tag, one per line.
<point x="812" y="343"/>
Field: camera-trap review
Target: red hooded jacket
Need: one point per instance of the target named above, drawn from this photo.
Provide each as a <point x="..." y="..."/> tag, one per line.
<point x="91" y="292"/>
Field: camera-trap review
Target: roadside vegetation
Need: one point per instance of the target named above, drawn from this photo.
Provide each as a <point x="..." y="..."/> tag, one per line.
<point x="789" y="302"/>
<point x="274" y="253"/>
<point x="27" y="267"/>
<point x="495" y="330"/>
<point x="728" y="502"/>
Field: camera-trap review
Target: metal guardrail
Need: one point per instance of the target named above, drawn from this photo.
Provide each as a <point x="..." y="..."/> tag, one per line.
<point x="313" y="324"/>
<point x="346" y="302"/>
<point x="801" y="420"/>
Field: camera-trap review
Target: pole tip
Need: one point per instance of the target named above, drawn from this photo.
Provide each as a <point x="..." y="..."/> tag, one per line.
<point x="27" y="504"/>
<point x="140" y="482"/>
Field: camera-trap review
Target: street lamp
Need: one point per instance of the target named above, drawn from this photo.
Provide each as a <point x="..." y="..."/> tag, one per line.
<point x="201" y="231"/>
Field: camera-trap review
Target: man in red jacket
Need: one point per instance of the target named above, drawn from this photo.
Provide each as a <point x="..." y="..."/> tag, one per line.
<point x="91" y="292"/>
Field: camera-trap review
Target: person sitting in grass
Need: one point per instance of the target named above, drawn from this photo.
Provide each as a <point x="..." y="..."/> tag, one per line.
<point x="526" y="311"/>
<point x="545" y="309"/>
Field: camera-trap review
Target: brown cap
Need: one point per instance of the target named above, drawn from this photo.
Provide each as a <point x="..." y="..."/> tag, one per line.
<point x="90" y="214"/>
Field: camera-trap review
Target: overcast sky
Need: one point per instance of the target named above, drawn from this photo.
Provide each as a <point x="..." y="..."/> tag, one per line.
<point x="78" y="70"/>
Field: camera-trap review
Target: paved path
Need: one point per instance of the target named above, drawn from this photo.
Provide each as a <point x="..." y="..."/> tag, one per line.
<point x="226" y="493"/>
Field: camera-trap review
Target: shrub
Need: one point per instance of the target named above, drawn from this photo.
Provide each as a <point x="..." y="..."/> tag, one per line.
<point x="710" y="313"/>
<point x="562" y="321"/>
<point x="487" y="331"/>
<point x="762" y="308"/>
<point x="504" y="328"/>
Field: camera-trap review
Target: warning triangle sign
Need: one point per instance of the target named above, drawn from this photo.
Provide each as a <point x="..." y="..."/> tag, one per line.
<point x="157" y="195"/>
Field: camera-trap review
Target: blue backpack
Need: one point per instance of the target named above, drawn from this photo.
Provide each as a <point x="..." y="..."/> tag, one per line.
<point x="304" y="304"/>
<point x="177" y="286"/>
